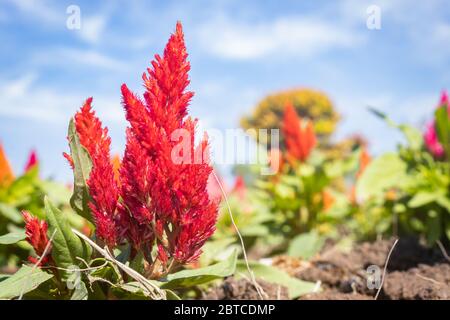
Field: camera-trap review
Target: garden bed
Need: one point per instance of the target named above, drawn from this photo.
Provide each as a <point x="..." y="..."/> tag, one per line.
<point x="413" y="272"/>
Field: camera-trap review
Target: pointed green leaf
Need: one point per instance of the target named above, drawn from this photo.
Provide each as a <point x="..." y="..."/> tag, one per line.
<point x="25" y="280"/>
<point x="412" y="135"/>
<point x="66" y="246"/>
<point x="12" y="237"/>
<point x="82" y="168"/>
<point x="10" y="213"/>
<point x="270" y="274"/>
<point x="385" y="172"/>
<point x="442" y="123"/>
<point x="306" y="245"/>
<point x="189" y="278"/>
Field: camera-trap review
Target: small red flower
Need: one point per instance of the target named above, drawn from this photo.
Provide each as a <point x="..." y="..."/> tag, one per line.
<point x="36" y="236"/>
<point x="32" y="160"/>
<point x="299" y="135"/>
<point x="69" y="159"/>
<point x="102" y="185"/>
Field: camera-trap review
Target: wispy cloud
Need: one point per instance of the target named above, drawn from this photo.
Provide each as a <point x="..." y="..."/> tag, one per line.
<point x="303" y="36"/>
<point x="38" y="10"/>
<point x="92" y="28"/>
<point x="24" y="98"/>
<point x="68" y="57"/>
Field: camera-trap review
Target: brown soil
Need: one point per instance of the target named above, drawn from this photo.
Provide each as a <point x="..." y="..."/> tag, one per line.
<point x="421" y="283"/>
<point x="335" y="295"/>
<point x="414" y="272"/>
<point x="243" y="289"/>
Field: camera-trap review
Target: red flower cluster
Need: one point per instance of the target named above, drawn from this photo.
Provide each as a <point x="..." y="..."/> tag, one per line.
<point x="102" y="185"/>
<point x="157" y="198"/>
<point x="36" y="235"/>
<point x="299" y="135"/>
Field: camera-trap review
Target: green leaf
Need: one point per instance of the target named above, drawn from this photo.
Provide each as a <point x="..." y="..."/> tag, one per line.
<point x="444" y="202"/>
<point x="306" y="245"/>
<point x="58" y="193"/>
<point x="10" y="213"/>
<point x="270" y="274"/>
<point x="442" y="123"/>
<point x="385" y="172"/>
<point x="80" y="292"/>
<point x="422" y="198"/>
<point x="12" y="237"/>
<point x="434" y="227"/>
<point x="66" y="246"/>
<point x="82" y="168"/>
<point x="25" y="280"/>
<point x="213" y="248"/>
<point x="412" y="135"/>
<point x="189" y="278"/>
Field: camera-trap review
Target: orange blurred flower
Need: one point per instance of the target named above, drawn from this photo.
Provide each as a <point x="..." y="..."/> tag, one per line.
<point x="364" y="160"/>
<point x="115" y="161"/>
<point x="276" y="160"/>
<point x="299" y="134"/>
<point x="6" y="172"/>
<point x="327" y="199"/>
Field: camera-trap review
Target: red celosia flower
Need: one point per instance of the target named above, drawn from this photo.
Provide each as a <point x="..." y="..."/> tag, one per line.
<point x="160" y="197"/>
<point x="299" y="135"/>
<point x="431" y="137"/>
<point x="135" y="178"/>
<point x="32" y="160"/>
<point x="182" y="210"/>
<point x="102" y="185"/>
<point x="36" y="236"/>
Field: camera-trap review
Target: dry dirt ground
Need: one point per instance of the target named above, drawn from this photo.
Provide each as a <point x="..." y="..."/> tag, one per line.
<point x="413" y="272"/>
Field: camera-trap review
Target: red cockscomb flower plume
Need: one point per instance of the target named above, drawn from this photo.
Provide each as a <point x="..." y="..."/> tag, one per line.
<point x="101" y="183"/>
<point x="36" y="236"/>
<point x="182" y="214"/>
<point x="299" y="135"/>
<point x="32" y="160"/>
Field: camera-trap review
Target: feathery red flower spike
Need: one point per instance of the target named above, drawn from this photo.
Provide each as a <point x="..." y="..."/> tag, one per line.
<point x="157" y="200"/>
<point x="36" y="236"/>
<point x="299" y="135"/>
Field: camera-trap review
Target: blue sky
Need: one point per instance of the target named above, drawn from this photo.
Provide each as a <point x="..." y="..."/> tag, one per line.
<point x="239" y="51"/>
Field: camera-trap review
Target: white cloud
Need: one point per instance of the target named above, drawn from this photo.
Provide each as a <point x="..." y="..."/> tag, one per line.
<point x="303" y="36"/>
<point x="92" y="28"/>
<point x="69" y="56"/>
<point x="24" y="98"/>
<point x="39" y="10"/>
